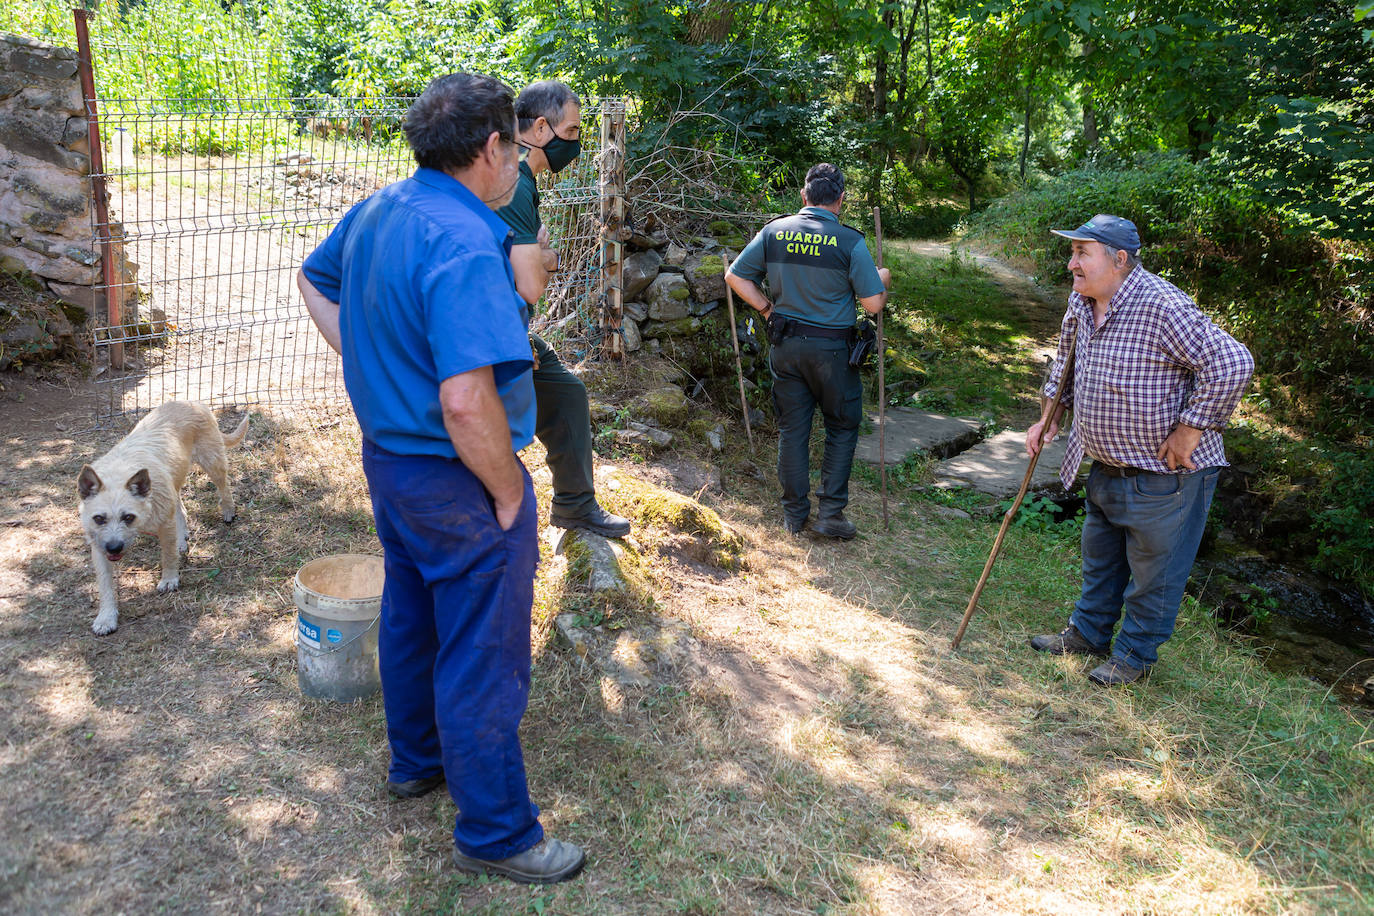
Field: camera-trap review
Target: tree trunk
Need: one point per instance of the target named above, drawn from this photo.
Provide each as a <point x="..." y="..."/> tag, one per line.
<point x="880" y="114"/>
<point x="930" y="68"/>
<point x="968" y="182"/>
<point x="1089" y="122"/>
<point x="908" y="33"/>
<point x="1089" y="112"/>
<point x="1025" y="127"/>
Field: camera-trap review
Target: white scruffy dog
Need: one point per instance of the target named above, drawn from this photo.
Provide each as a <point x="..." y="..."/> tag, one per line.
<point x="136" y="487"/>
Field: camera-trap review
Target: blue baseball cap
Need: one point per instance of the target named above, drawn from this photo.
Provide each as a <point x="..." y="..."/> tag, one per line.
<point x="1107" y="229"/>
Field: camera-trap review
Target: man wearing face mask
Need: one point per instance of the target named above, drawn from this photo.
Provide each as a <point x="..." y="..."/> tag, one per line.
<point x="549" y="120"/>
<point x="414" y="289"/>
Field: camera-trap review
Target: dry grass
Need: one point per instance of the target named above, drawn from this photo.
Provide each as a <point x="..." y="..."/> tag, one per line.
<point x="823" y="752"/>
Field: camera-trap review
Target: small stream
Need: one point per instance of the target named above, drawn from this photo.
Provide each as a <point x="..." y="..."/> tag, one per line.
<point x="1304" y="622"/>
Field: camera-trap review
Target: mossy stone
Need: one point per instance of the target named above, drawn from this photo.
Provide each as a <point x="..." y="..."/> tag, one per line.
<point x="668" y="406"/>
<point x="710" y="265"/>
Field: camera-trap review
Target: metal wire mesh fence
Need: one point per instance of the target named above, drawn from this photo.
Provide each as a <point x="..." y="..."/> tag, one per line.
<point x="218" y="198"/>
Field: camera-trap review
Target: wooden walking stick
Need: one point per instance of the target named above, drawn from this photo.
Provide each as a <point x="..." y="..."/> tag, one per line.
<point x="734" y="338"/>
<point x="882" y="381"/>
<point x="1064" y="380"/>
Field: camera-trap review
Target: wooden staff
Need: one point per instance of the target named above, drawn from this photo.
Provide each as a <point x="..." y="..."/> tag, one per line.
<point x="734" y="339"/>
<point x="1064" y="380"/>
<point x="882" y="380"/>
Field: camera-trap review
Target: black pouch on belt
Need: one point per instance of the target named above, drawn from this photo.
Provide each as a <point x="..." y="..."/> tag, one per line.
<point x="863" y="340"/>
<point x="779" y="328"/>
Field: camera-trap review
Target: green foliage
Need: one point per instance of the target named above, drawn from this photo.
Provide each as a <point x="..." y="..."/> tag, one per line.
<point x="1301" y="305"/>
<point x="406" y="43"/>
<point x="1040" y="513"/>
<point x="1343" y="526"/>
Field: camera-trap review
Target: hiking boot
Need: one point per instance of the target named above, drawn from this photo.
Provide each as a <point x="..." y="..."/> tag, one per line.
<point x="414" y="788"/>
<point x="597" y="521"/>
<point x="794" y="527"/>
<point x="835" y="526"/>
<point x="1067" y="641"/>
<point x="547" y="862"/>
<point x="1116" y="672"/>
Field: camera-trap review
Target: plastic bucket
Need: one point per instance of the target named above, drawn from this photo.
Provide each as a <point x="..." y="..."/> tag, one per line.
<point x="338" y="605"/>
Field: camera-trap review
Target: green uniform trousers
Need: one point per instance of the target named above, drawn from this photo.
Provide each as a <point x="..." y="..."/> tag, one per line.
<point x="563" y="422"/>
<point x="811" y="372"/>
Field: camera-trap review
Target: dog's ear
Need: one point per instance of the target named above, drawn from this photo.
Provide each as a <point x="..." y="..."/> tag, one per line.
<point x="88" y="484"/>
<point x="139" y="484"/>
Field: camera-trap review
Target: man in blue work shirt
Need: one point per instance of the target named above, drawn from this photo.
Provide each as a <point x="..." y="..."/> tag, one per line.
<point x="414" y="288"/>
<point x="816" y="267"/>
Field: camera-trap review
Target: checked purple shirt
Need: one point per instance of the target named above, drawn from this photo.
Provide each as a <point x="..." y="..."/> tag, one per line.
<point x="1156" y="361"/>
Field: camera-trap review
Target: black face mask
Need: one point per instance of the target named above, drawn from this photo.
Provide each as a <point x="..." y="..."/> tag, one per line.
<point x="560" y="152"/>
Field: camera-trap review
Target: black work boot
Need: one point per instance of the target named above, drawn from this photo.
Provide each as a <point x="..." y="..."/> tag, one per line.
<point x="1067" y="641"/>
<point x="835" y="526"/>
<point x="597" y="521"/>
<point x="414" y="788"/>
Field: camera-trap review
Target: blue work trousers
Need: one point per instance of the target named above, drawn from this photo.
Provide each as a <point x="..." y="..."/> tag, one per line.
<point x="454" y="642"/>
<point x="1140" y="537"/>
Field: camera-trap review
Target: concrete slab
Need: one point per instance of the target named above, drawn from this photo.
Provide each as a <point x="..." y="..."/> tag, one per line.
<point x="997" y="466"/>
<point x="910" y="431"/>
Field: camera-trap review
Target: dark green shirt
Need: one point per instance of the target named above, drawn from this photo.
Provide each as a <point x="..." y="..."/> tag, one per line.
<point x="522" y="213"/>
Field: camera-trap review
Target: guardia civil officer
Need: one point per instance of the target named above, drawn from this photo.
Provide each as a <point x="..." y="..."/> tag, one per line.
<point x="815" y="267"/>
<point x="549" y="121"/>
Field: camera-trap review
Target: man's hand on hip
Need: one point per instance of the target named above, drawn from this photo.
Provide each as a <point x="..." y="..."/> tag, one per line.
<point x="507" y="511"/>
<point x="476" y="422"/>
<point x="1177" y="450"/>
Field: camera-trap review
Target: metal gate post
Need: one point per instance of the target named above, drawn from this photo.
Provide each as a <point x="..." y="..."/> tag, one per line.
<point x="100" y="196"/>
<point x="614" y="232"/>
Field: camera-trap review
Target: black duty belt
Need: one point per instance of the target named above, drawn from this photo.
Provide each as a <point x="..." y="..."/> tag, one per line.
<point x="1112" y="470"/>
<point x="802" y="329"/>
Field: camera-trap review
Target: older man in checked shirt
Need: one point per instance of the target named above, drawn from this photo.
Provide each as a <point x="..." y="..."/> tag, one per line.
<point x="1154" y="382"/>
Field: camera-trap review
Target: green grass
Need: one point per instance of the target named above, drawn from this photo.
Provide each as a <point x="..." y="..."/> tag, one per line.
<point x="954" y="343"/>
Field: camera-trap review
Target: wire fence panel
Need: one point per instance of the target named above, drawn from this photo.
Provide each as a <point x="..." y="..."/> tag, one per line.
<point x="218" y="199"/>
<point x="217" y="228"/>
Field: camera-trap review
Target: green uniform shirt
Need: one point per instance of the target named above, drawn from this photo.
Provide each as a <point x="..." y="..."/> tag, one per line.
<point x="815" y="266"/>
<point x="522" y="213"/>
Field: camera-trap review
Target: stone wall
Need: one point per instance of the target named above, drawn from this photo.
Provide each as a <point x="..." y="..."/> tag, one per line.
<point x="674" y="292"/>
<point x="45" y="195"/>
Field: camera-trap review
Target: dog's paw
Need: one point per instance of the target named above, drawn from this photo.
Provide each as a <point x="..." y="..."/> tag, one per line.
<point x="230" y="518"/>
<point x="169" y="585"/>
<point x="105" y="624"/>
<point x="181" y="545"/>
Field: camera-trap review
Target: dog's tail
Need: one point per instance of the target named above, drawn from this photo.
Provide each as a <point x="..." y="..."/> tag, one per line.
<point x="238" y="435"/>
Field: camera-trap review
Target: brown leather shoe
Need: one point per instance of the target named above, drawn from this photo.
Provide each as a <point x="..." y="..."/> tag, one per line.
<point x="1116" y="672"/>
<point x="1067" y="641"/>
<point x="547" y="862"/>
<point x="414" y="788"/>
